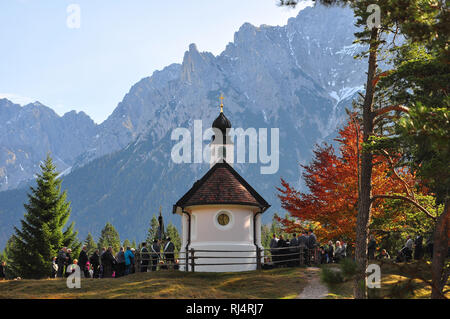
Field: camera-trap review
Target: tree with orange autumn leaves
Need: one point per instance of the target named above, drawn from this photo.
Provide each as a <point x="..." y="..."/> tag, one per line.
<point x="331" y="204"/>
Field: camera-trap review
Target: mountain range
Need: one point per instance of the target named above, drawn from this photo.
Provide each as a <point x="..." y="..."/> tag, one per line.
<point x="299" y="78"/>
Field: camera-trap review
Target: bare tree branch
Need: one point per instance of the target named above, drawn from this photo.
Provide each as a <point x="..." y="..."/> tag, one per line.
<point x="390" y="108"/>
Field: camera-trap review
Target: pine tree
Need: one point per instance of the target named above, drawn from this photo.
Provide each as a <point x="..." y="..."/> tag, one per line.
<point x="10" y="271"/>
<point x="41" y="234"/>
<point x="90" y="244"/>
<point x="133" y="244"/>
<point x="109" y="237"/>
<point x="70" y="240"/>
<point x="153" y="230"/>
<point x="172" y="232"/>
<point x="126" y="243"/>
<point x="266" y="236"/>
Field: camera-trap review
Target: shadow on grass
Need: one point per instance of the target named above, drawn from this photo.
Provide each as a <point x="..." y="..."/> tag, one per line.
<point x="274" y="283"/>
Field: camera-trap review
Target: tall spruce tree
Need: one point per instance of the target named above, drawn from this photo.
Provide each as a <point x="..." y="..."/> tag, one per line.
<point x="90" y="244"/>
<point x="41" y="234"/>
<point x="109" y="237"/>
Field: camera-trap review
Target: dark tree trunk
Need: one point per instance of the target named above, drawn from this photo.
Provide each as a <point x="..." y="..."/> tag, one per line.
<point x="365" y="192"/>
<point x="440" y="250"/>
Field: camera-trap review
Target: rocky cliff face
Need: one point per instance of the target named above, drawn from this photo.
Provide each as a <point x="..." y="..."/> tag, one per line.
<point x="265" y="70"/>
<point x="298" y="78"/>
<point x="27" y="133"/>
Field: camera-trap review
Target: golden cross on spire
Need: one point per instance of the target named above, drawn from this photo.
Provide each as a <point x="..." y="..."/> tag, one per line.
<point x="221" y="102"/>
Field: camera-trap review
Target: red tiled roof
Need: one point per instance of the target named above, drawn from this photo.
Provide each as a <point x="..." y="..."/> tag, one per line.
<point x="222" y="185"/>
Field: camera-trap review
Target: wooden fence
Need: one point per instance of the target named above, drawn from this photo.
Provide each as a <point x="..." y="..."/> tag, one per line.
<point x="275" y="257"/>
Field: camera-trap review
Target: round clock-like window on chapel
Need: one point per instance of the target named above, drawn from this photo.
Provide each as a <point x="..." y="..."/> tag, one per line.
<point x="223" y="219"/>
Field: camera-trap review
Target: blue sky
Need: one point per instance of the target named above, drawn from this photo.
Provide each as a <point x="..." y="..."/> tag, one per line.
<point x="119" y="42"/>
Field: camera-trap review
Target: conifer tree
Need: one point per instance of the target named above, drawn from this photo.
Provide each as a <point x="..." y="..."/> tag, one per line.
<point x="90" y="244"/>
<point x="266" y="236"/>
<point x="172" y="232"/>
<point x="133" y="244"/>
<point x="10" y="271"/>
<point x="41" y="234"/>
<point x="109" y="237"/>
<point x="126" y="243"/>
<point x="70" y="240"/>
<point x="153" y="229"/>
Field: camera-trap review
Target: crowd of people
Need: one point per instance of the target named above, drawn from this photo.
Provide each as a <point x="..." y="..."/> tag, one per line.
<point x="411" y="249"/>
<point x="301" y="249"/>
<point x="287" y="252"/>
<point x="106" y="264"/>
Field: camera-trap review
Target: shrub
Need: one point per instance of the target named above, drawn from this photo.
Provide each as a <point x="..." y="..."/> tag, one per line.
<point x="331" y="276"/>
<point x="348" y="267"/>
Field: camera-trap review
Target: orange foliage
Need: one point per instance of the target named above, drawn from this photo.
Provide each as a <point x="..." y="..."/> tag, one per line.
<point x="332" y="180"/>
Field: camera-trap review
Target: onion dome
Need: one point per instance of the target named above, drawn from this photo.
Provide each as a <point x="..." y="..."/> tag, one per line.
<point x="222" y="122"/>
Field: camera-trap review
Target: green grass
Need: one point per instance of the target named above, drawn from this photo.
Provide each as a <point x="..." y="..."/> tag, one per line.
<point x="275" y="283"/>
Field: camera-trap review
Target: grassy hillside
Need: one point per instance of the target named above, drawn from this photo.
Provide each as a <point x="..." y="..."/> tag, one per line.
<point x="277" y="283"/>
<point x="398" y="281"/>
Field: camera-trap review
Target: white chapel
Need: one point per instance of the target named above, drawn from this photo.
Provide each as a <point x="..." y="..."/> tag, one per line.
<point x="221" y="213"/>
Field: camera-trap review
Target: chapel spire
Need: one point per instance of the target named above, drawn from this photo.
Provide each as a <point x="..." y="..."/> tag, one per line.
<point x="221" y="102"/>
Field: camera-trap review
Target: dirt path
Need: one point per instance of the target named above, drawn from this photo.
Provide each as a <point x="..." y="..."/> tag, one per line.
<point x="315" y="289"/>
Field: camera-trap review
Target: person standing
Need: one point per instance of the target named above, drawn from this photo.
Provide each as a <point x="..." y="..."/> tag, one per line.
<point x="311" y="245"/>
<point x="108" y="263"/>
<point x="344" y="249"/>
<point x="273" y="248"/>
<point x="293" y="243"/>
<point x="70" y="269"/>
<point x="54" y="267"/>
<point x="281" y="252"/>
<point x="3" y="270"/>
<point x="133" y="265"/>
<point x="61" y="260"/>
<point x="302" y="243"/>
<point x="101" y="261"/>
<point x="169" y="250"/>
<point x="322" y="255"/>
<point x="69" y="259"/>
<point x="89" y="269"/>
<point x="145" y="257"/>
<point x="418" y="247"/>
<point x="156" y="250"/>
<point x="330" y="252"/>
<point x="82" y="260"/>
<point x="120" y="258"/>
<point x="408" y="248"/>
<point x="128" y="257"/>
<point x="338" y="253"/>
<point x="371" y="248"/>
<point x="95" y="263"/>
